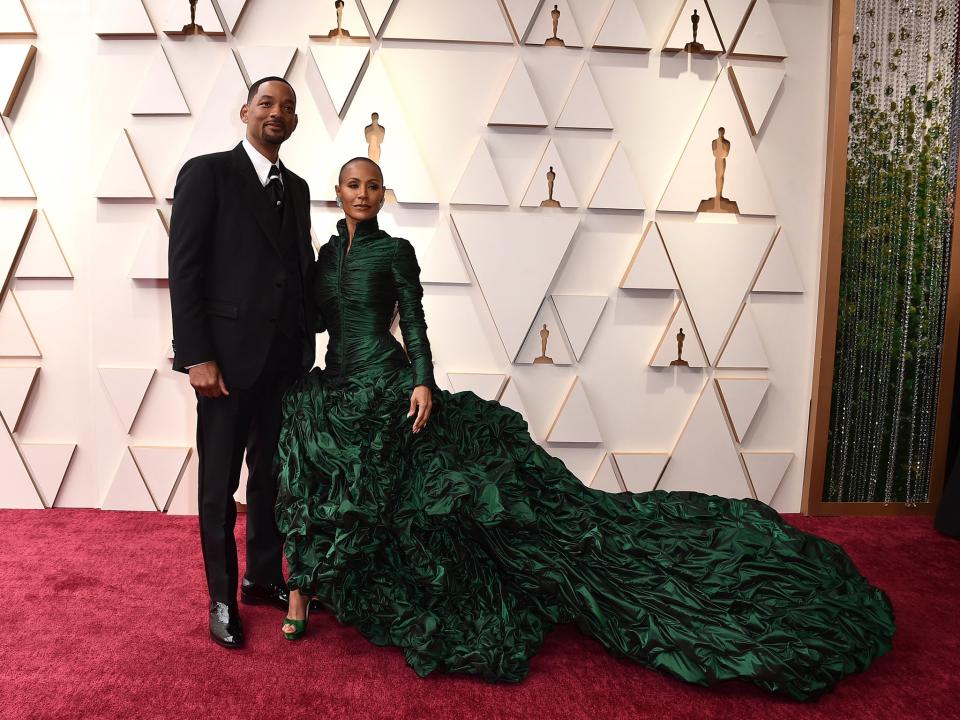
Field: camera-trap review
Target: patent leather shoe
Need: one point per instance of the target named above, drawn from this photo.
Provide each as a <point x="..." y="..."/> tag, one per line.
<point x="225" y="626"/>
<point x="252" y="593"/>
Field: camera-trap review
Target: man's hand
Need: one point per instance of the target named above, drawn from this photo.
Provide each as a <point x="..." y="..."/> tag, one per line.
<point x="207" y="380"/>
<point x="421" y="403"/>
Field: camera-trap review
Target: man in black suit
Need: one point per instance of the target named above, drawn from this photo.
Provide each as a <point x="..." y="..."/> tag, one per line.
<point x="240" y="257"/>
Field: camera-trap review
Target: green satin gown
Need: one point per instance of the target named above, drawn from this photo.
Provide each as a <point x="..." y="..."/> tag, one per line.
<point x="465" y="543"/>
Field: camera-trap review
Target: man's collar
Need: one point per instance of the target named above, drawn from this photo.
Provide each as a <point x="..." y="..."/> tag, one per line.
<point x="260" y="163"/>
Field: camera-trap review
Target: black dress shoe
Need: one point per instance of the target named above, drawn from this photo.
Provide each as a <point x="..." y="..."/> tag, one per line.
<point x="225" y="626"/>
<point x="252" y="593"/>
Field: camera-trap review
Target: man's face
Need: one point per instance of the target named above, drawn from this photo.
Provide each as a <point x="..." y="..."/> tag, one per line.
<point x="271" y="116"/>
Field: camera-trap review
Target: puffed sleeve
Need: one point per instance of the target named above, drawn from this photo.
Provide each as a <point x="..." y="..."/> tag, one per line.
<point x="413" y="324"/>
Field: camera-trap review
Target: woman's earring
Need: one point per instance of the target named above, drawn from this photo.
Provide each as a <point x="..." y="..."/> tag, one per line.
<point x="339" y="202"/>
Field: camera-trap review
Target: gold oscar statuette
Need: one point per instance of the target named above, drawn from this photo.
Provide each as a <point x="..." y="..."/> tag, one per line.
<point x="681" y="336"/>
<point x="193" y="28"/>
<point x="551" y="178"/>
<point x="374" y="134"/>
<point x="694" y="46"/>
<point x="339" y="30"/>
<point x="544" y="359"/>
<point x="554" y="40"/>
<point x="718" y="203"/>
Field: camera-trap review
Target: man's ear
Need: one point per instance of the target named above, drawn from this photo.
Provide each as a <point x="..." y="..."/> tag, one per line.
<point x="243" y="113"/>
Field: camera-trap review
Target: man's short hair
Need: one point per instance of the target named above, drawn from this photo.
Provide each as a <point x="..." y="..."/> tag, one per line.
<point x="254" y="87"/>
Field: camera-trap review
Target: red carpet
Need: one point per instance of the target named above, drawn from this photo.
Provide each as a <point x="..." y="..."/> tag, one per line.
<point x="103" y="615"/>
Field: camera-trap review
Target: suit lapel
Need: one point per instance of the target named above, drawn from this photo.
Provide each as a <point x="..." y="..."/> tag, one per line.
<point x="254" y="196"/>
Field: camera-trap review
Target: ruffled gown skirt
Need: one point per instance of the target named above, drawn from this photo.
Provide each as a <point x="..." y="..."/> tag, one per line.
<point x="464" y="544"/>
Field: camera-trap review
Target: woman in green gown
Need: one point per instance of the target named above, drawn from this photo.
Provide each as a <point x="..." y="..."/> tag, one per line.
<point x="433" y="522"/>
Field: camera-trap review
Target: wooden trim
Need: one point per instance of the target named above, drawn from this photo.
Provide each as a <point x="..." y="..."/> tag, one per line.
<point x="838" y="126"/>
<point x="875" y="509"/>
<point x="948" y="362"/>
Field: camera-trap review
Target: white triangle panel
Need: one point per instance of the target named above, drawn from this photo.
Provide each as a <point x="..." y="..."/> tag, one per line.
<point x="150" y="262"/>
<point x="533" y="344"/>
<point x="606" y="478"/>
<point x="641" y="471"/>
<point x="682" y="31"/>
<point x="744" y="348"/>
<point x="126" y="388"/>
<point x="694" y="178"/>
<point x="510" y="397"/>
<point x="760" y="36"/>
<point x="779" y="273"/>
<point x="518" y="104"/>
<point x="16" y="383"/>
<point x="440" y="261"/>
<point x="121" y="18"/>
<point x="48" y="465"/>
<point x="582" y="462"/>
<point x="16" y="339"/>
<point x="213" y="129"/>
<point x="535" y="243"/>
<point x="160" y="468"/>
<point x="669" y="346"/>
<point x="377" y="11"/>
<point x="178" y="15"/>
<point x="183" y="498"/>
<point x="742" y="398"/>
<point x="705" y="459"/>
<point x="262" y="61"/>
<point x="623" y="28"/>
<point x="575" y="422"/>
<point x="538" y="189"/>
<point x="232" y="10"/>
<point x="479" y="21"/>
<point x="127" y="491"/>
<point x="17" y="490"/>
<point x="484" y="385"/>
<point x="650" y="268"/>
<point x="715" y="265"/>
<point x="756" y="87"/>
<point x="567" y="29"/>
<point x="15" y="62"/>
<point x="14" y="182"/>
<point x="520" y="13"/>
<point x="579" y="315"/>
<point x="766" y="470"/>
<point x="341" y="67"/>
<point x="123" y="175"/>
<point x="43" y="257"/>
<point x="160" y="93"/>
<point x="728" y="16"/>
<point x="15" y="224"/>
<point x="480" y="183"/>
<point x="15" y="20"/>
<point x="618" y="188"/>
<point x="584" y="106"/>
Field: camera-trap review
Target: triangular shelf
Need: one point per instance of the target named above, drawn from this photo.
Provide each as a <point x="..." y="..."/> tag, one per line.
<point x="178" y="16"/>
<point x="48" y="464"/>
<point x="520" y="13"/>
<point x="755" y="88"/>
<point x="123" y="176"/>
<point x="351" y="22"/>
<point x="14" y="183"/>
<point x="480" y="183"/>
<point x="584" y="108"/>
<point x="487" y="386"/>
<point x="376" y="12"/>
<point x="567" y="29"/>
<point x="15" y="21"/>
<point x="128" y="19"/>
<point x="532" y="347"/>
<point x="477" y="21"/>
<point x="779" y="273"/>
<point x="341" y="67"/>
<point x="579" y="315"/>
<point x="43" y="257"/>
<point x="668" y="348"/>
<point x="641" y="471"/>
<point x="161" y="468"/>
<point x="150" y="262"/>
<point x="607" y="477"/>
<point x="160" y="93"/>
<point x="741" y="398"/>
<point x="682" y="31"/>
<point x="16" y="385"/>
<point x="623" y="29"/>
<point x="767" y="470"/>
<point x="760" y="36"/>
<point x="17" y="491"/>
<point x="575" y="422"/>
<point x="538" y="189"/>
<point x="519" y="104"/>
<point x="440" y="261"/>
<point x="126" y="387"/>
<point x="618" y="188"/>
<point x="15" y="227"/>
<point x="260" y="61"/>
<point x="15" y="62"/>
<point x="232" y="11"/>
<point x="744" y="349"/>
<point x="16" y="338"/>
<point x="650" y="268"/>
<point x="127" y="491"/>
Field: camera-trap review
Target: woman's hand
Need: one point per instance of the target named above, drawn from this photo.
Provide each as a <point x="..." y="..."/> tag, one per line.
<point x="421" y="403"/>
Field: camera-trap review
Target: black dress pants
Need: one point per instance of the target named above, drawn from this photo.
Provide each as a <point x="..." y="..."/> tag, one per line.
<point x="245" y="420"/>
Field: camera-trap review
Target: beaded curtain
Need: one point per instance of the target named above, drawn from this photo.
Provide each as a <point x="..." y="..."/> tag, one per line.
<point x="901" y="178"/>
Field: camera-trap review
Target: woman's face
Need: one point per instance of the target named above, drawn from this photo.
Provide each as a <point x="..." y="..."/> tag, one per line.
<point x="361" y="190"/>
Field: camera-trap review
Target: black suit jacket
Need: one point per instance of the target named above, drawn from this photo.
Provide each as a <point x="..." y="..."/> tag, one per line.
<point x="227" y="273"/>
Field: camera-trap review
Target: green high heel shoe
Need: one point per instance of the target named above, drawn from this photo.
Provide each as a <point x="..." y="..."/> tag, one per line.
<point x="300" y="626"/>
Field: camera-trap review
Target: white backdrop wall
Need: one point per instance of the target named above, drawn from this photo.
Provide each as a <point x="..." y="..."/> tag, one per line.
<point x="613" y="417"/>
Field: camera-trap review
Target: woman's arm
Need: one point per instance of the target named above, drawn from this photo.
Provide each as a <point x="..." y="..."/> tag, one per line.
<point x="413" y="324"/>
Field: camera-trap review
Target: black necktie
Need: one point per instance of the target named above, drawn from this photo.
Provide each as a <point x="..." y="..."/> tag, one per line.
<point x="275" y="186"/>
